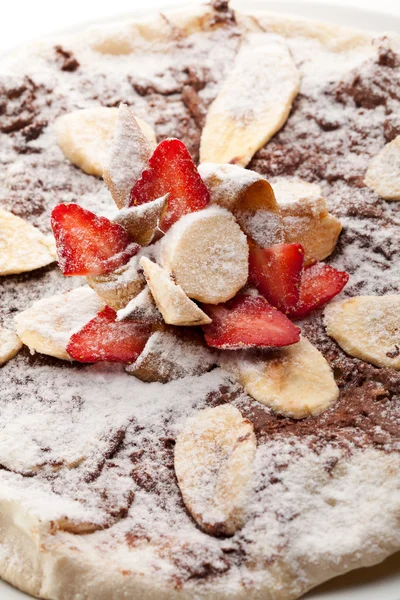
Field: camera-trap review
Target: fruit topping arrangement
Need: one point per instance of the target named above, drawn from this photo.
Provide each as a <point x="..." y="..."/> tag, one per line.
<point x="195" y="260"/>
<point x="199" y="267"/>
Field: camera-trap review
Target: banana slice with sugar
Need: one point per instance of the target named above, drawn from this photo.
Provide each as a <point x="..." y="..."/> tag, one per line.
<point x="249" y="197"/>
<point x="85" y="136"/>
<point x="383" y="173"/>
<point x="295" y="381"/>
<point x="174" y="305"/>
<point x="367" y="327"/>
<point x="22" y="246"/>
<point x="214" y="455"/>
<point x="207" y="254"/>
<point x="10" y="345"/>
<point x="306" y="219"/>
<point x="48" y="324"/>
<point x="253" y="103"/>
<point x="130" y="151"/>
<point x="118" y="288"/>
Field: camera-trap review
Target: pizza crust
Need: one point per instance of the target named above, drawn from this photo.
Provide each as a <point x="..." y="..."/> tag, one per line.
<point x="57" y="565"/>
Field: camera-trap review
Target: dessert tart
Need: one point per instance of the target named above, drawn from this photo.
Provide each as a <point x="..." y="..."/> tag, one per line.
<point x="187" y="409"/>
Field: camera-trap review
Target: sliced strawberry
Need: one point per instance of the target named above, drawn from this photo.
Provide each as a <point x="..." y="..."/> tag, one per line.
<point x="276" y="273"/>
<point x="88" y="244"/>
<point x="172" y="171"/>
<point x="248" y="321"/>
<point x="320" y="283"/>
<point x="103" y="338"/>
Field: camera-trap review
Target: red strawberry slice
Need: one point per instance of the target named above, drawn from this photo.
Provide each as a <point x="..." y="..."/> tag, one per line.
<point x="320" y="283"/>
<point x="88" y="244"/>
<point x="248" y="321"/>
<point x="171" y="170"/>
<point x="105" y="339"/>
<point x="276" y="273"/>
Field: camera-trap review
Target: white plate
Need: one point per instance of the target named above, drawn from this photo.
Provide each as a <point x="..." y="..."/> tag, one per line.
<point x="381" y="582"/>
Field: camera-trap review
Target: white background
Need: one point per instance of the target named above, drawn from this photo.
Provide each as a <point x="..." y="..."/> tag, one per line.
<point x="24" y="20"/>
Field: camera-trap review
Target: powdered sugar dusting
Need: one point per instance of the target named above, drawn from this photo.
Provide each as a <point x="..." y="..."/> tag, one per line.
<point x="98" y="444"/>
<point x="56" y="318"/>
<point x="263" y="79"/>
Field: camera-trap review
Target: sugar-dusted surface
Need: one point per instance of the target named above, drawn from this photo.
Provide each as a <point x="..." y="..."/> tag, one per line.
<point x="23" y="247"/>
<point x="98" y="445"/>
<point x="10" y="344"/>
<point x="129" y="140"/>
<point x="207" y="254"/>
<point x="51" y="321"/>
<point x="367" y="327"/>
<point x="253" y="103"/>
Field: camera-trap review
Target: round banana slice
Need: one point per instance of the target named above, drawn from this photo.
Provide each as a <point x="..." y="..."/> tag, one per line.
<point x="85" y="136"/>
<point x="383" y="173"/>
<point x="367" y="327"/>
<point x="10" y="345"/>
<point x="249" y="197"/>
<point x="207" y="254"/>
<point x="306" y="219"/>
<point x="295" y="381"/>
<point x="22" y="246"/>
<point x="174" y="305"/>
<point x="214" y="455"/>
<point x="253" y="102"/>
<point x="48" y="324"/>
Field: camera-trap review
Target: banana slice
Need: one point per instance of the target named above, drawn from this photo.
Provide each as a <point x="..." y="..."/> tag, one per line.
<point x="383" y="173"/>
<point x="214" y="457"/>
<point x="10" y="345"/>
<point x="48" y="324"/>
<point x="295" y="381"/>
<point x="207" y="254"/>
<point x="22" y="246"/>
<point x="306" y="218"/>
<point x="141" y="309"/>
<point x="174" y="305"/>
<point x="249" y="197"/>
<point x="253" y="103"/>
<point x="168" y="356"/>
<point x="85" y="136"/>
<point x="129" y="154"/>
<point x="142" y="221"/>
<point x="116" y="289"/>
<point x="367" y="327"/>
